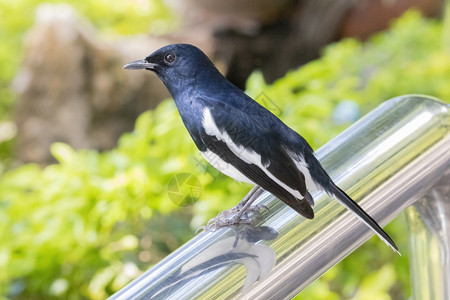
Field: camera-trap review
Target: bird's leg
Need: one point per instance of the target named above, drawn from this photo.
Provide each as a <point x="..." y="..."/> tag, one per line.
<point x="238" y="214"/>
<point x="245" y="206"/>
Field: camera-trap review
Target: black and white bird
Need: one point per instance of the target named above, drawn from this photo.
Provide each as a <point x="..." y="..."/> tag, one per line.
<point x="241" y="138"/>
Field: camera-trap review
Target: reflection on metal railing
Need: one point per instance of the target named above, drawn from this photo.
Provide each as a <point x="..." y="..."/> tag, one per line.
<point x="429" y="226"/>
<point x="241" y="249"/>
<point x="386" y="161"/>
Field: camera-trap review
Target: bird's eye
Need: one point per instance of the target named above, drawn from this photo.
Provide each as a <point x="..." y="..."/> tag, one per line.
<point x="169" y="57"/>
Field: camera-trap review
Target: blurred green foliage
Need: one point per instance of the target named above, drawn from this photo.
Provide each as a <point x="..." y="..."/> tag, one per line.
<point x="84" y="227"/>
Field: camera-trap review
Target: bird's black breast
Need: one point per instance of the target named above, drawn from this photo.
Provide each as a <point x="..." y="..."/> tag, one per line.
<point x="191" y="113"/>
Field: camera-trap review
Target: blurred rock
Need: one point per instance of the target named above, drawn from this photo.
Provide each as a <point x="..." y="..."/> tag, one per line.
<point x="285" y="43"/>
<point x="241" y="16"/>
<point x="72" y="88"/>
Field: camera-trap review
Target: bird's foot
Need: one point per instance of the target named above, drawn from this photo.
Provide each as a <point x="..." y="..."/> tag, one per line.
<point x="240" y="214"/>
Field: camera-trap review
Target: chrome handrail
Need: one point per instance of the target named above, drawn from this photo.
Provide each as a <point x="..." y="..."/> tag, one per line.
<point x="394" y="157"/>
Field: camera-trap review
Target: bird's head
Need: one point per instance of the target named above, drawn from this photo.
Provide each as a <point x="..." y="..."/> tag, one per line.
<point x="177" y="65"/>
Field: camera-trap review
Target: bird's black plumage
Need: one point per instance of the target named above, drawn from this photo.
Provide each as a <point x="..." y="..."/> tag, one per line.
<point x="240" y="137"/>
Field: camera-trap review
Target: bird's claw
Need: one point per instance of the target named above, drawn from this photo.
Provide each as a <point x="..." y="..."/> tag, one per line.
<point x="234" y="217"/>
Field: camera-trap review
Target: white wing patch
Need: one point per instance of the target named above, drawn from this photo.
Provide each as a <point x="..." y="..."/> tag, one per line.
<point x="225" y="167"/>
<point x="248" y="156"/>
<point x="302" y="166"/>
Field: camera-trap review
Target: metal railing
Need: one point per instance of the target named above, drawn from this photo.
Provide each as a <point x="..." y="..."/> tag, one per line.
<point x="397" y="156"/>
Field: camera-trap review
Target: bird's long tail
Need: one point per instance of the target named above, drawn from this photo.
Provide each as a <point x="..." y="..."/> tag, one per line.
<point x="348" y="202"/>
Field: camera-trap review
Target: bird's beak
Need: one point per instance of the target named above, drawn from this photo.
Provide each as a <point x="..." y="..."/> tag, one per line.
<point x="139" y="64"/>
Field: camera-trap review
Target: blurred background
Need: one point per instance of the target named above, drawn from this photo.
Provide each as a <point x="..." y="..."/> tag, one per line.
<point x="88" y="150"/>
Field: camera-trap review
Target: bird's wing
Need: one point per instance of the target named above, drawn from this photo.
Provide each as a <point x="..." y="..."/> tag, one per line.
<point x="253" y="148"/>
